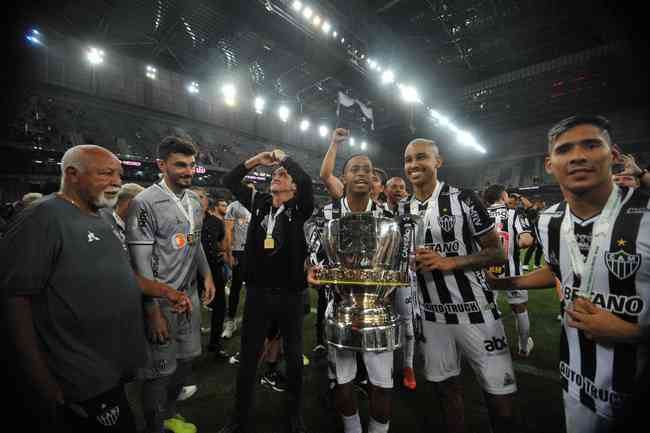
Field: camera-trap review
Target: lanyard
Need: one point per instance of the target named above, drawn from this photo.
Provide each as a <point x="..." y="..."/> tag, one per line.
<point x="415" y="203"/>
<point x="187" y="213"/>
<point x="272" y="219"/>
<point x="585" y="268"/>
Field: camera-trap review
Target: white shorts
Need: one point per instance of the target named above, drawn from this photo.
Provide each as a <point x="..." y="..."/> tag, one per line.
<point x="378" y="364"/>
<point x="517" y="296"/>
<point x="581" y="419"/>
<point x="484" y="345"/>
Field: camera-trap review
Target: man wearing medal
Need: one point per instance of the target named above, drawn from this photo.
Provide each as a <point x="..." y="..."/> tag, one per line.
<point x="276" y="280"/>
<point x="596" y="244"/>
<point x="163" y="234"/>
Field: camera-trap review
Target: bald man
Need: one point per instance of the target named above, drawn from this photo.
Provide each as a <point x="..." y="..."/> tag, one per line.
<point x="70" y="289"/>
<point x="395" y="191"/>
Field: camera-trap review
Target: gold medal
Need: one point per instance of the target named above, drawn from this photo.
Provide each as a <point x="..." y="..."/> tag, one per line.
<point x="269" y="243"/>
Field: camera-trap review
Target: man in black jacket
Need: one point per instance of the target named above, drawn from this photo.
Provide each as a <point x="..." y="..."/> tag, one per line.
<point x="275" y="286"/>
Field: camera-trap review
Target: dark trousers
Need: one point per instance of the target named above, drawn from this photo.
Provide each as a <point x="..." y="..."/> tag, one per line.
<point x="320" y="317"/>
<point x="218" y="305"/>
<point x="262" y="306"/>
<point x="236" y="283"/>
<point x="537" y="249"/>
<point x="107" y="412"/>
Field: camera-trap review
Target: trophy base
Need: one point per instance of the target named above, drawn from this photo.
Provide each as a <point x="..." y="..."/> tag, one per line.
<point x="365" y="339"/>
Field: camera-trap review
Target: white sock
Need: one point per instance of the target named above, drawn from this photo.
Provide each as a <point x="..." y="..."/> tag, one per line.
<point x="409" y="347"/>
<point x="377" y="427"/>
<point x="523" y="328"/>
<point x="352" y="424"/>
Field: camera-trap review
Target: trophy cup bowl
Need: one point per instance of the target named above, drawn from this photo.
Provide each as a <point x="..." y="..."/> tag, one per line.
<point x="367" y="263"/>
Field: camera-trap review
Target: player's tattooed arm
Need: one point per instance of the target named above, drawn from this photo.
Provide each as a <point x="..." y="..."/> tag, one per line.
<point x="491" y="254"/>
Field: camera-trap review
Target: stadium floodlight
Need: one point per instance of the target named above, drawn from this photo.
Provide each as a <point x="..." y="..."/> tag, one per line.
<point x="323" y="130"/>
<point x="316" y="21"/>
<point x="297" y="6"/>
<point x="307" y="12"/>
<point x="34" y="37"/>
<point x="259" y="104"/>
<point x="387" y="77"/>
<point x="284" y="113"/>
<point x="34" y="40"/>
<point x="440" y="118"/>
<point x="364" y="145"/>
<point x="467" y="139"/>
<point x="229" y="92"/>
<point x="335" y="34"/>
<point x="95" y="56"/>
<point x="326" y="27"/>
<point x="304" y="125"/>
<point x="351" y="141"/>
<point x="193" y="87"/>
<point x="409" y="94"/>
<point x="151" y="72"/>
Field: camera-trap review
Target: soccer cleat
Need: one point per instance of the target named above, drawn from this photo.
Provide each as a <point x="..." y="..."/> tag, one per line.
<point x="234" y="359"/>
<point x="177" y="425"/>
<point x="530" y="345"/>
<point x="187" y="392"/>
<point x="319" y="349"/>
<point x="228" y="329"/>
<point x="274" y="380"/>
<point x="305" y="360"/>
<point x="409" y="378"/>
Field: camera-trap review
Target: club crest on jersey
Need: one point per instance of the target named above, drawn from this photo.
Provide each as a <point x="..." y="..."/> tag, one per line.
<point x="109" y="417"/>
<point x="447" y="222"/>
<point x="622" y="264"/>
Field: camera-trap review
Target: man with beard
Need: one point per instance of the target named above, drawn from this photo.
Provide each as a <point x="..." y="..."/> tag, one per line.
<point x="357" y="180"/>
<point x="164" y="236"/>
<point x="596" y="243"/>
<point x="73" y="305"/>
<point x="459" y="312"/>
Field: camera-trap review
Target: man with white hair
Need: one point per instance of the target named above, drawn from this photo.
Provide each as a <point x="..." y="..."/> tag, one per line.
<point x="70" y="288"/>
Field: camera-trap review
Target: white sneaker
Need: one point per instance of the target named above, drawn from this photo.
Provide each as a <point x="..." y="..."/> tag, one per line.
<point x="529" y="349"/>
<point x="524" y="268"/>
<point x="227" y="329"/>
<point x="187" y="392"/>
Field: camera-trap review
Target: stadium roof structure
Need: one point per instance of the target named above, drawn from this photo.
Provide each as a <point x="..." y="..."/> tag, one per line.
<point x="492" y="65"/>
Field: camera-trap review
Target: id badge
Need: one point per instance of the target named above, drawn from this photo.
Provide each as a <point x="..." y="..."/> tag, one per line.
<point x="269" y="243"/>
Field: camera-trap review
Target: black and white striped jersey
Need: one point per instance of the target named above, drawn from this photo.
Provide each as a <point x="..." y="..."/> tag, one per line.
<point x="453" y="220"/>
<point x="601" y="376"/>
<point x="509" y="224"/>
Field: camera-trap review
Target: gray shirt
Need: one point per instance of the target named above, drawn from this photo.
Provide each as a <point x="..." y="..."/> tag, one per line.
<point x="155" y="219"/>
<point x="86" y="303"/>
<point x="241" y="216"/>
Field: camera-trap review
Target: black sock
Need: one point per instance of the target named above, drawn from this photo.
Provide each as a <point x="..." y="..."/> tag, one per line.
<point x="271" y="366"/>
